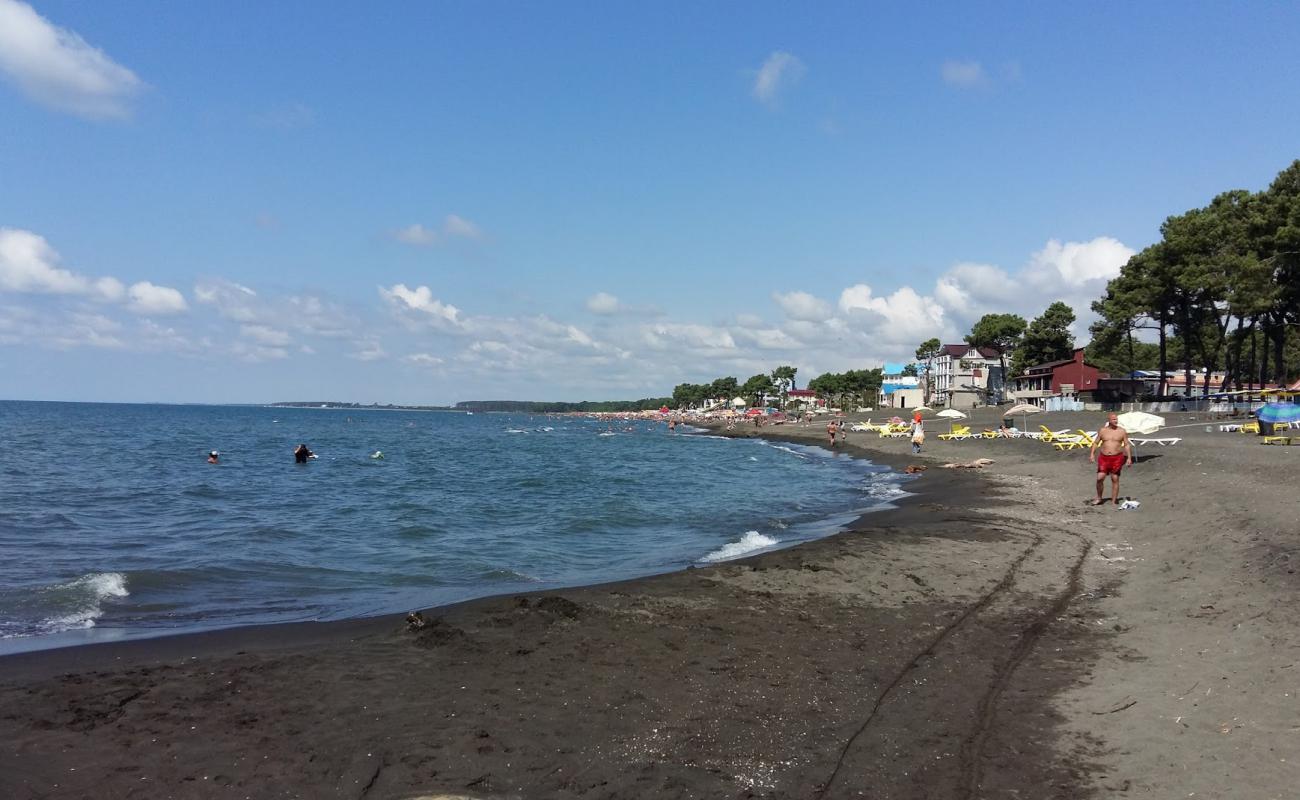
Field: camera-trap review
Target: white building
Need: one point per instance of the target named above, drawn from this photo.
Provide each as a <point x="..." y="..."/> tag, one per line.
<point x="962" y="375"/>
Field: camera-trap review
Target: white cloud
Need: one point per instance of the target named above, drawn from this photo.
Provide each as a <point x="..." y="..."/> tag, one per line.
<point x="905" y="316"/>
<point x="423" y="359"/>
<point x="803" y="306"/>
<point x="416" y="234"/>
<point x="603" y="303"/>
<point x="257" y="353"/>
<point x="305" y="314"/>
<point x="29" y="264"/>
<point x="425" y="306"/>
<point x="370" y="351"/>
<point x="767" y="338"/>
<point x="60" y="70"/>
<point x="778" y="73"/>
<point x="963" y="74"/>
<point x="1078" y="263"/>
<point x="699" y="339"/>
<point x="455" y="225"/>
<point x="265" y="334"/>
<point x="969" y="290"/>
<point x="146" y="298"/>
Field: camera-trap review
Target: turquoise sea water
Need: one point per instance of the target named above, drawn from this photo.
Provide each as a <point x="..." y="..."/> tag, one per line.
<point x="112" y="523"/>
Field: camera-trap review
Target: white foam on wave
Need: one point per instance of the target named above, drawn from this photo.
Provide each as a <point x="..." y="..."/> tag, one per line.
<point x="86" y="595"/>
<point x="792" y="451"/>
<point x="884" y="488"/>
<point x="751" y="541"/>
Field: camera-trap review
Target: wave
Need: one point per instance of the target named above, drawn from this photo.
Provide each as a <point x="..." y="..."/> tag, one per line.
<point x="82" y="600"/>
<point x="884" y="488"/>
<point x="751" y="541"/>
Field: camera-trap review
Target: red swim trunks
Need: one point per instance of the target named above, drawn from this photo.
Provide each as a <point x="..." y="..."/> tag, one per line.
<point x="1111" y="465"/>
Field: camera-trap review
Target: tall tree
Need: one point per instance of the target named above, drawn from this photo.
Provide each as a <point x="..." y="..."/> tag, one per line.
<point x="725" y="388"/>
<point x="927" y="353"/>
<point x="756" y="388"/>
<point x="783" y="379"/>
<point x="1002" y="332"/>
<point x="1047" y="338"/>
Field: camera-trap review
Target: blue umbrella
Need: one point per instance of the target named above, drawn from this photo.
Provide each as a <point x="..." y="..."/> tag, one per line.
<point x="1279" y="412"/>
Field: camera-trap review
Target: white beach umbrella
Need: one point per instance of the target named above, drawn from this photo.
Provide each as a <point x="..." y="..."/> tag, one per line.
<point x="951" y="413"/>
<point x="1140" y="422"/>
<point x="1023" y="409"/>
<point x="922" y="409"/>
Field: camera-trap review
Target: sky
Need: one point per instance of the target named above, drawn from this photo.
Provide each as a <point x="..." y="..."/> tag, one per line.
<point x="424" y="203"/>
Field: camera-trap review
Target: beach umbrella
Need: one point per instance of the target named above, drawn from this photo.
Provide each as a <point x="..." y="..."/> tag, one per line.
<point x="1140" y="422"/>
<point x="951" y="413"/>
<point x="1275" y="413"/>
<point x="1023" y="409"/>
<point x="922" y="409"/>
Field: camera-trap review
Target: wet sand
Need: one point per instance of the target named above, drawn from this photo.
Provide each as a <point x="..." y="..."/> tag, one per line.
<point x="992" y="637"/>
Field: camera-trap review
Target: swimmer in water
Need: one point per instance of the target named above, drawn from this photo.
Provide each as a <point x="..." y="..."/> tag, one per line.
<point x="301" y="454"/>
<point x="214" y="457"/>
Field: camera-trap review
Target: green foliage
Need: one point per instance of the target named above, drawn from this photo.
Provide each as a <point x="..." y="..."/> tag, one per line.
<point x="910" y="370"/>
<point x="1047" y="338"/>
<point x="859" y="386"/>
<point x="756" y="388"/>
<point x="927" y="352"/>
<point x="725" y="388"/>
<point x="1221" y="289"/>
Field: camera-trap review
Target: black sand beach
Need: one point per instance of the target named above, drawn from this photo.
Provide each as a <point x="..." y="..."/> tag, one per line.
<point x="992" y="637"/>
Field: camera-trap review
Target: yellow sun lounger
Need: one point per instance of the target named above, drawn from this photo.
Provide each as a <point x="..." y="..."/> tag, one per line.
<point x="1048" y="435"/>
<point x="1281" y="439"/>
<point x="958" y="433"/>
<point x="1079" y="439"/>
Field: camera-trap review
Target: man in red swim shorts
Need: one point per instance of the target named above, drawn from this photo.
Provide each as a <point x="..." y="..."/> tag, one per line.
<point x="1116" y="453"/>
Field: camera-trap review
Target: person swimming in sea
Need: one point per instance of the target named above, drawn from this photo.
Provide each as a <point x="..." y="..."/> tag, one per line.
<point x="301" y="454"/>
<point x="214" y="457"/>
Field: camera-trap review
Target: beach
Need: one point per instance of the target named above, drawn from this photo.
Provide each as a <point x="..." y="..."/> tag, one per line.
<point x="993" y="636"/>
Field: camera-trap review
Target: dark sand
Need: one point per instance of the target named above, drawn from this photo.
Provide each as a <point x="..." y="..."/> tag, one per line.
<point x="994" y="637"/>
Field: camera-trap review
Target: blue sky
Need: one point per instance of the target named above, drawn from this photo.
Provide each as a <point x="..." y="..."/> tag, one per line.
<point x="426" y="203"/>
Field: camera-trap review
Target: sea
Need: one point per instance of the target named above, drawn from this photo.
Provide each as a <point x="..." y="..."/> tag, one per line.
<point x="113" y="524"/>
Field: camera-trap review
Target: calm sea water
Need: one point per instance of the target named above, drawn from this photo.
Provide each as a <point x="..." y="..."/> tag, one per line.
<point x="113" y="525"/>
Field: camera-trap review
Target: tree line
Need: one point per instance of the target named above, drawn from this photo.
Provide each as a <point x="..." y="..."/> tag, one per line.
<point x="1220" y="290"/>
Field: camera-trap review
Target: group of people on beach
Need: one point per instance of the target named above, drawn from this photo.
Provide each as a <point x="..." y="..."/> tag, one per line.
<point x="1111" y="450"/>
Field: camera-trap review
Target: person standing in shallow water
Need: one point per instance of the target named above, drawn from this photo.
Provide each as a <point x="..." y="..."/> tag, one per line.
<point x="301" y="454"/>
<point x="1116" y="453"/>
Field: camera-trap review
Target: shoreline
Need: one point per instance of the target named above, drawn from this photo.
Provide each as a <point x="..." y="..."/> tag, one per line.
<point x="136" y="648"/>
<point x="313" y="630"/>
<point x="965" y="644"/>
